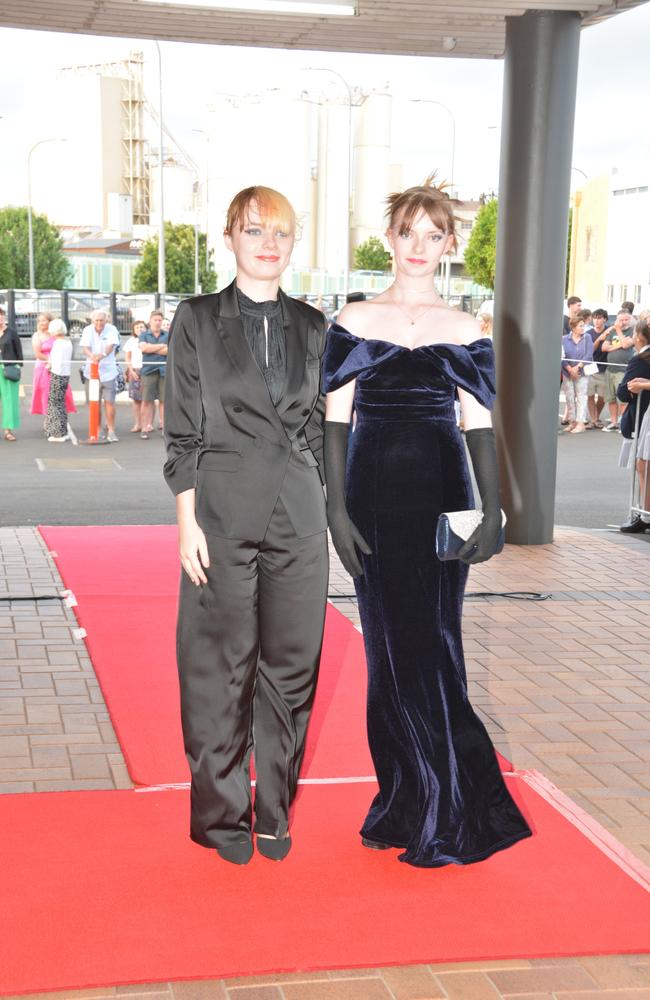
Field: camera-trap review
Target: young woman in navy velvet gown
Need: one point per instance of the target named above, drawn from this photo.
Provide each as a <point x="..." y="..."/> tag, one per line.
<point x="397" y="363"/>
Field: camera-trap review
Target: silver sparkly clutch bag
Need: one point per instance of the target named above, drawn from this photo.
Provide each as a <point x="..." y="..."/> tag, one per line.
<point x="456" y="526"/>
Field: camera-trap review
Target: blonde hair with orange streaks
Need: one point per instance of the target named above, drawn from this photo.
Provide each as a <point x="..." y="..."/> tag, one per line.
<point x="404" y="206"/>
<point x="270" y="204"/>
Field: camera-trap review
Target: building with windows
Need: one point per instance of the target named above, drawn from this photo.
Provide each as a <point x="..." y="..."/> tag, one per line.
<point x="104" y="264"/>
<point x="610" y="254"/>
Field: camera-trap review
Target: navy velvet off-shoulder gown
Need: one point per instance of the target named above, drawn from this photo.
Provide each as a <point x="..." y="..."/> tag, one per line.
<point x="441" y="794"/>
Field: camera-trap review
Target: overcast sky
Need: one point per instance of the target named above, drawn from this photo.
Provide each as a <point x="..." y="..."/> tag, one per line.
<point x="612" y="109"/>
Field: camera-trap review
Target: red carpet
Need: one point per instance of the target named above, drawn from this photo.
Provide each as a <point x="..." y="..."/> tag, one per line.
<point x="121" y="895"/>
<point x="104" y="888"/>
<point x="125" y="580"/>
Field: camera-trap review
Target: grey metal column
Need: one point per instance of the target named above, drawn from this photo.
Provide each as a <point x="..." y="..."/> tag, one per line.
<point x="541" y="67"/>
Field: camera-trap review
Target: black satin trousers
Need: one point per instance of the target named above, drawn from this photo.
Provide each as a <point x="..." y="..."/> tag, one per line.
<point x="248" y="646"/>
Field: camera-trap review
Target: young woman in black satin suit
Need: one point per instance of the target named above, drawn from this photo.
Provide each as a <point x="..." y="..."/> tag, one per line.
<point x="399" y="361"/>
<point x="244" y="431"/>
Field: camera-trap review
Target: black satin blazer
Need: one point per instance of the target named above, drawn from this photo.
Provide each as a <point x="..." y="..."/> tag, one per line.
<point x="224" y="436"/>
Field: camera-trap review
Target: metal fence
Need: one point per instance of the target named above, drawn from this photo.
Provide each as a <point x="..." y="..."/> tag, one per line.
<point x="75" y="305"/>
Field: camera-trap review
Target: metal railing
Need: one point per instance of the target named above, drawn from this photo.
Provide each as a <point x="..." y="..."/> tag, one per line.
<point x="75" y="306"/>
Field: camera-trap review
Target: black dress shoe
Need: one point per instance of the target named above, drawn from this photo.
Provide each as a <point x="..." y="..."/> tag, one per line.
<point x="237" y="854"/>
<point x="374" y="846"/>
<point x="273" y="848"/>
<point x="634" y="526"/>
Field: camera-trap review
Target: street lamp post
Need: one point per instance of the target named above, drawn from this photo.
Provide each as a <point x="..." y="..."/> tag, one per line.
<point x="30" y="228"/>
<point x="348" y="90"/>
<point x="161" y="228"/>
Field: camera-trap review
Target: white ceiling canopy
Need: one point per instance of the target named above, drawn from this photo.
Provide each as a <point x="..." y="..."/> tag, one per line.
<point x="313" y="8"/>
<point x="464" y="29"/>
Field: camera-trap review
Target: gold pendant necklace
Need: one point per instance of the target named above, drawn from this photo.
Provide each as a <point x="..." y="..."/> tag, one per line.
<point x="409" y="317"/>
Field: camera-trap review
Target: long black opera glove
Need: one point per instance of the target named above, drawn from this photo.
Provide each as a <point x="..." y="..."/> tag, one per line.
<point x="482" y="543"/>
<point x="345" y="536"/>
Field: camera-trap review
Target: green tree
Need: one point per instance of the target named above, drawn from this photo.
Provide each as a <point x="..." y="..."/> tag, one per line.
<point x="5" y="265"/>
<point x="481" y="249"/>
<point x="371" y="256"/>
<point x="51" y="267"/>
<point x="179" y="262"/>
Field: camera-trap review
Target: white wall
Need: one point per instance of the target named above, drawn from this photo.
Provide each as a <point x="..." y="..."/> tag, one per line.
<point x="178" y="200"/>
<point x="266" y="141"/>
<point x="332" y="198"/>
<point x="70" y="180"/>
<point x="372" y="167"/>
<point x="628" y="243"/>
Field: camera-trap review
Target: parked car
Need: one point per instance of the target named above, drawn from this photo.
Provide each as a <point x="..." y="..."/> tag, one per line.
<point x="80" y="306"/>
<point x="141" y="305"/>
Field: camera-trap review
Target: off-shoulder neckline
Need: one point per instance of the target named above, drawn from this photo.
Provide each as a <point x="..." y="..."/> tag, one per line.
<point x="402" y="347"/>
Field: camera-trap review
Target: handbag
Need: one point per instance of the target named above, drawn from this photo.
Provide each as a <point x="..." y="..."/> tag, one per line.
<point x="120" y="381"/>
<point x="455" y="527"/>
<point x="11" y="372"/>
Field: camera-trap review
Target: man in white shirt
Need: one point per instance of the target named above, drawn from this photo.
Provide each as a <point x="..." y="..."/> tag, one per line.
<point x="99" y="341"/>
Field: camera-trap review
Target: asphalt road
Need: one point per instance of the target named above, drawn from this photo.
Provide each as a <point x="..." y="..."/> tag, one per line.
<point x="122" y="483"/>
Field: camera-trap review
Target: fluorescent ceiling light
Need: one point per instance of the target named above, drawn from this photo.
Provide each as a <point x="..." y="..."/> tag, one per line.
<point x="336" y="8"/>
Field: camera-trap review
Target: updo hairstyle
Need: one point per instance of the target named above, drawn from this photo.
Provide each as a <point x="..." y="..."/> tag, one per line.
<point x="403" y="207"/>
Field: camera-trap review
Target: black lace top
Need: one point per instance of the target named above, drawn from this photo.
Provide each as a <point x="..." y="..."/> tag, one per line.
<point x="264" y="332"/>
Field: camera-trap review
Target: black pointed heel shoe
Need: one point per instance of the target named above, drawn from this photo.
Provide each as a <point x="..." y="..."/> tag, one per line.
<point x="374" y="846"/>
<point x="237" y="854"/>
<point x="274" y="849"/>
<point x="636" y="525"/>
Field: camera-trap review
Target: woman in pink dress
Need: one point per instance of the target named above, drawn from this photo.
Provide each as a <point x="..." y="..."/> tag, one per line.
<point x="42" y="344"/>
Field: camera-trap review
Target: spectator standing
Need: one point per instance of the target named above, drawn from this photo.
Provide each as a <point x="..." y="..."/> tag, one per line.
<point x="629" y="322"/>
<point x="485" y="323"/>
<point x="133" y="355"/>
<point x="573" y="306"/>
<point x="578" y="351"/>
<point x="99" y="341"/>
<point x="634" y="390"/>
<point x="11" y="352"/>
<point x="628" y="306"/>
<point x="596" y="383"/>
<point x="153" y="344"/>
<point x="618" y="349"/>
<point x="59" y="368"/>
<point x="42" y="343"/>
<point x="40" y="378"/>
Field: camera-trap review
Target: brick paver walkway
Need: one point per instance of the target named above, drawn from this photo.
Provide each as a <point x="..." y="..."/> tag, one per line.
<point x="55" y="731"/>
<point x="561" y="684"/>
